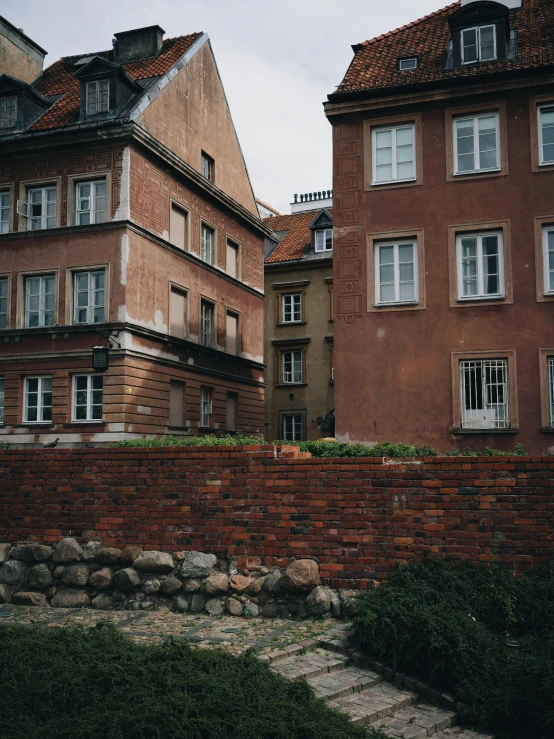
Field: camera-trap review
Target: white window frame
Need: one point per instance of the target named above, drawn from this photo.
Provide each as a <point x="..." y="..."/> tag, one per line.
<point x="297" y="421"/>
<point x="43" y="219"/>
<point x="548" y="274"/>
<point x="481" y="294"/>
<point x="8" y="112"/>
<point x="42" y="300"/>
<point x="101" y="105"/>
<point x="475" y="118"/>
<point x="2" y="399"/>
<point x="205" y="248"/>
<point x="321" y="239"/>
<point x="395" y="245"/>
<point x="394" y="131"/>
<point x="550" y="376"/>
<point x="294" y="307"/>
<point x="206" y="407"/>
<point x="204" y="323"/>
<point x="5" y="206"/>
<point x="41" y="393"/>
<point x="294" y="376"/>
<point x="4" y="302"/>
<point x="550" y="108"/>
<point x="93" y="210"/>
<point x="493" y="415"/>
<point x="478" y="30"/>
<point x="207" y="166"/>
<point x="90" y="307"/>
<point x="88" y="405"/>
<point x="402" y="64"/>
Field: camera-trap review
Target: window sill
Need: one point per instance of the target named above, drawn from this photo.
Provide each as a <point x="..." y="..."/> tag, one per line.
<point x="547" y="430"/>
<point x="393" y="182"/>
<point x="291" y="323"/>
<point x="473" y="172"/>
<point x="179" y="428"/>
<point x="292" y="384"/>
<point x="396" y="303"/>
<point x="84" y="423"/>
<point x="34" y="425"/>
<point x="481" y="299"/>
<point x="480" y="432"/>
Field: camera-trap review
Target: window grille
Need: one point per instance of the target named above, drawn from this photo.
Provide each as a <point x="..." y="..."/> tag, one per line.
<point x="484" y="394"/>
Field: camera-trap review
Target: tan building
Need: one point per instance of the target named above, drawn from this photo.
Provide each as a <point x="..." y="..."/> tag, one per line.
<point x="127" y="220"/>
<point x="299" y="322"/>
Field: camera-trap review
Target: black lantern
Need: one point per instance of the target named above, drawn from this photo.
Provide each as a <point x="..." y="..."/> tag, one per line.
<point x="100" y="358"/>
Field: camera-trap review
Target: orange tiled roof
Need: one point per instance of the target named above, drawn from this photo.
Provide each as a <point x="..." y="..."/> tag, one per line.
<point x="59" y="79"/>
<point x="375" y="62"/>
<point x="298" y="239"/>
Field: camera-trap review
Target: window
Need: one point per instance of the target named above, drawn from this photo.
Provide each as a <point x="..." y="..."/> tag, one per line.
<point x="41" y="208"/>
<point x="177" y="312"/>
<point x="396" y="273"/>
<point x="393" y="154"/>
<point x="39" y="301"/>
<point x="478" y="44"/>
<point x="98" y="97"/>
<point x="232" y="411"/>
<point x="207" y="167"/>
<point x="207" y="240"/>
<point x="404" y="65"/>
<point x="548" y="259"/>
<point x="480" y="265"/>
<point x="232" y="333"/>
<point x="4" y="212"/>
<point x="87" y="397"/>
<point x="178" y="227"/>
<point x="90" y="202"/>
<point x="546" y="135"/>
<point x="551" y="389"/>
<point x="8" y="112"/>
<point x="2" y="397"/>
<point x="232" y="260"/>
<point x="292" y="367"/>
<point x="38" y="400"/>
<point x="324" y="239"/>
<point x="292" y="427"/>
<point x="89" y="298"/>
<point x="206" y="322"/>
<point x="484" y="394"/>
<point x="292" y="308"/>
<point x="206" y="407"/>
<point x="476" y="143"/>
<point x="177" y="404"/>
<point x="3" y="302"/>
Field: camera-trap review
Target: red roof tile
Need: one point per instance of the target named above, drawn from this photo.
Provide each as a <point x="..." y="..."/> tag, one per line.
<point x="375" y="62"/>
<point x="297" y="241"/>
<point x="58" y="79"/>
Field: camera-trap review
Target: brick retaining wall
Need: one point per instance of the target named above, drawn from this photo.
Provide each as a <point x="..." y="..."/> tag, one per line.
<point x="357" y="516"/>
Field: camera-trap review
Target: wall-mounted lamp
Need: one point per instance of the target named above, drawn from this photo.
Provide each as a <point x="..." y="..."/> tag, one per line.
<point x="100" y="358"/>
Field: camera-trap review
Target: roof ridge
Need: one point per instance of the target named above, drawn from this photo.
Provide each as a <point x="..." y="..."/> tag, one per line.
<point x="411" y="24"/>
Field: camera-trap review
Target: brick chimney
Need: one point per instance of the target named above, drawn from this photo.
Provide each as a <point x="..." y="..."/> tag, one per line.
<point x="20" y="57"/>
<point x="140" y="43"/>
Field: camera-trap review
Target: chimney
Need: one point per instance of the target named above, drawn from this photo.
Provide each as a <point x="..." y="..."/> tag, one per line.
<point x="20" y="57"/>
<point x="140" y="43"/>
<point x="507" y="3"/>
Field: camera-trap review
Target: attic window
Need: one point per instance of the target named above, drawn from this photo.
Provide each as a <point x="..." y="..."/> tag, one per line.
<point x="324" y="239"/>
<point x="8" y="112"/>
<point x="407" y="64"/>
<point x="98" y="97"/>
<point x="478" y="44"/>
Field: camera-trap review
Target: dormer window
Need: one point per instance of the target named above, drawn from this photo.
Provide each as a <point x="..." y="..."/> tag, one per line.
<point x="478" y="44"/>
<point x="8" y="112"/>
<point x="98" y="97"/>
<point x="407" y="64"/>
<point x="324" y="239"/>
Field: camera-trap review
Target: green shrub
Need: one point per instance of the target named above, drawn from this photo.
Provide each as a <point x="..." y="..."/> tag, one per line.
<point x="172" y="441"/>
<point x="517" y="451"/>
<point x="59" y="683"/>
<point x="335" y="449"/>
<point x="5" y="445"/>
<point x="451" y="621"/>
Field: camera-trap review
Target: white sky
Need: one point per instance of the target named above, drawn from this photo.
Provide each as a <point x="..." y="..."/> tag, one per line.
<point x="279" y="59"/>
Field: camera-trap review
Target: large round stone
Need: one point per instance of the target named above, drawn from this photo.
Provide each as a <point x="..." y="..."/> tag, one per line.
<point x="104" y="602"/>
<point x="70" y="599"/>
<point x="90" y="550"/>
<point x="101" y="580"/>
<point x="76" y="575"/>
<point x="150" y="585"/>
<point x="198" y="564"/>
<point x="5" y="550"/>
<point x="190" y="585"/>
<point x="159" y="562"/>
<point x="197" y="603"/>
<point x="240" y="583"/>
<point x="129" y="554"/>
<point x="6" y="592"/>
<point x="234" y="607"/>
<point x="126" y="580"/>
<point x="67" y="550"/>
<point x="251" y="610"/>
<point x="40" y="577"/>
<point x="318" y="601"/>
<point x="272" y="583"/>
<point x="255" y="587"/>
<point x="32" y="552"/>
<point x="108" y="555"/>
<point x="301" y="575"/>
<point x="216" y="584"/>
<point x="12" y="572"/>
<point x="29" y="599"/>
<point x="171" y="585"/>
<point x="181" y="604"/>
<point x="215" y="607"/>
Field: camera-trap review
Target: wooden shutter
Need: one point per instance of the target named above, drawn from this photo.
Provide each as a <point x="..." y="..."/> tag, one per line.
<point x="177" y="404"/>
<point x="232" y="333"/>
<point x="177" y="312"/>
<point x="232" y="411"/>
<point x="178" y="227"/>
<point x="231" y="259"/>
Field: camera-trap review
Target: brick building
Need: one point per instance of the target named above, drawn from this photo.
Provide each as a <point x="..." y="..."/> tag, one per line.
<point x="444" y="230"/>
<point x="127" y="221"/>
<point x="298" y="323"/>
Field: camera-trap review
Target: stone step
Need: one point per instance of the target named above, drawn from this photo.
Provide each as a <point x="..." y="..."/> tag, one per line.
<point x="378" y="702"/>
<point x="416" y="722"/>
<point x="347" y="681"/>
<point x="278" y="655"/>
<point x="456" y="732"/>
<point x="318" y="662"/>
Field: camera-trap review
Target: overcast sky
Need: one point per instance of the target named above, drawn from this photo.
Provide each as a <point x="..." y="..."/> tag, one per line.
<point x="279" y="59"/>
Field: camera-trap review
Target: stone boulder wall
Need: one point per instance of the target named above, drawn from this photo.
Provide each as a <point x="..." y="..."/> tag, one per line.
<point x="77" y="575"/>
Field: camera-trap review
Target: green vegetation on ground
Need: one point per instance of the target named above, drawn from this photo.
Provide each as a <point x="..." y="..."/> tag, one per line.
<point x="477" y="632"/>
<point x="97" y="684"/>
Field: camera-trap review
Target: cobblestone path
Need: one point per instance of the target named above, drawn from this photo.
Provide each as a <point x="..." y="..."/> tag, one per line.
<point x="315" y="650"/>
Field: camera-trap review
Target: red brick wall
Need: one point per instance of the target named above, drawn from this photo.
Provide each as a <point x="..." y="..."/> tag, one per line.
<point x="264" y="504"/>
